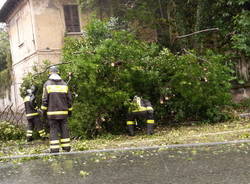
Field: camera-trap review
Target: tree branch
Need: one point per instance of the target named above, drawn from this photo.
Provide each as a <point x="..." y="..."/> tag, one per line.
<point x="197" y="32"/>
<point x="36" y="74"/>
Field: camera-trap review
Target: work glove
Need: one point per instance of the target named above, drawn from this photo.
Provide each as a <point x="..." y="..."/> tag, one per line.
<point x="44" y="113"/>
<point x="70" y="113"/>
<point x="39" y="111"/>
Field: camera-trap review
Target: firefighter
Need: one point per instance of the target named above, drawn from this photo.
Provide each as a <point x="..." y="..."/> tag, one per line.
<point x="32" y="115"/>
<point x="56" y="104"/>
<point x="141" y="109"/>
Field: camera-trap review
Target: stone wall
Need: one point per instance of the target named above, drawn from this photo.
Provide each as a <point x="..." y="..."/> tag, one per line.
<point x="240" y="94"/>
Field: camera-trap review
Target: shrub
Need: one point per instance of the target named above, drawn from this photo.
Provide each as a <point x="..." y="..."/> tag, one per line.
<point x="111" y="68"/>
<point x="37" y="77"/>
<point x="10" y="132"/>
<point x="107" y="72"/>
<point x="194" y="87"/>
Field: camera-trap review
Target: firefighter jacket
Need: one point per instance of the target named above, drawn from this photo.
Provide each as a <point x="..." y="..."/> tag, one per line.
<point x="56" y="100"/>
<point x="30" y="106"/>
<point x="139" y="105"/>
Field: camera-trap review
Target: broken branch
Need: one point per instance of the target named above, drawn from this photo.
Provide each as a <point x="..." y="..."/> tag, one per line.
<point x="197" y="32"/>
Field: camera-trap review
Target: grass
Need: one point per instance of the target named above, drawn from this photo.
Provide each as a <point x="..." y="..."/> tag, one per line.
<point x="192" y="133"/>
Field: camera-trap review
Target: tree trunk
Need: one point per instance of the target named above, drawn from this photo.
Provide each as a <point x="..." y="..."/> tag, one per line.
<point x="198" y="24"/>
<point x="243" y="67"/>
<point x="172" y="25"/>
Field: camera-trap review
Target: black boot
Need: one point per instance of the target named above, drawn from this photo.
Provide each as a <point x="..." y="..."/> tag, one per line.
<point x="29" y="139"/>
<point x="67" y="149"/>
<point x="44" y="138"/>
<point x="150" y="129"/>
<point x="131" y="130"/>
<point x="54" y="150"/>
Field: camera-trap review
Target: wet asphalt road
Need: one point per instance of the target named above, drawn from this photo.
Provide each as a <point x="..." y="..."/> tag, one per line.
<point x="229" y="164"/>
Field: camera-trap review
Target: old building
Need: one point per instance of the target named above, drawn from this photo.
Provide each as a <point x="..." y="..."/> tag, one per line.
<point x="36" y="32"/>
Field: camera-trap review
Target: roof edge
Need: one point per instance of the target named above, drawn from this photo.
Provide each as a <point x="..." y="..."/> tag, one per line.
<point x="7" y="9"/>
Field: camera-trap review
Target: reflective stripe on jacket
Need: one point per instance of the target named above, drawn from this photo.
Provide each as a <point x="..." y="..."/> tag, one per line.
<point x="141" y="105"/>
<point x="30" y="106"/>
<point x="56" y="100"/>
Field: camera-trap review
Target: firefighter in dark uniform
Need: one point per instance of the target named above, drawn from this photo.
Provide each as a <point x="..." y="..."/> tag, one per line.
<point x="56" y="104"/>
<point x="141" y="109"/>
<point x="32" y="115"/>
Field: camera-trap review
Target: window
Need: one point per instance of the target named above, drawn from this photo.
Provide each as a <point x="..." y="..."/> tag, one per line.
<point x="19" y="32"/>
<point x="71" y="18"/>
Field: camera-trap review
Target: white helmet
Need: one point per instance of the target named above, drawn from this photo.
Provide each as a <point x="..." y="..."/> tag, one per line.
<point x="53" y="69"/>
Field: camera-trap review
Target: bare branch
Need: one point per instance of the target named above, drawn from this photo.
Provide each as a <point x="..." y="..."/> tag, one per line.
<point x="197" y="32"/>
<point x="49" y="67"/>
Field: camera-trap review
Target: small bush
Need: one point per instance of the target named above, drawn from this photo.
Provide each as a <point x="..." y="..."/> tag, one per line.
<point x="10" y="132"/>
<point x="193" y="87"/>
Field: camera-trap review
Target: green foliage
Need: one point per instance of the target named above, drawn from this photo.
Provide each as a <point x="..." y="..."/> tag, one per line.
<point x="96" y="32"/>
<point x="5" y="62"/>
<point x="37" y="77"/>
<point x="10" y="132"/>
<point x="110" y="66"/>
<point x="5" y="81"/>
<point x="106" y="70"/>
<point x="114" y="66"/>
<point x="193" y="87"/>
<point x="5" y="84"/>
<point x="241" y="39"/>
<point x="4" y="50"/>
<point x="164" y="21"/>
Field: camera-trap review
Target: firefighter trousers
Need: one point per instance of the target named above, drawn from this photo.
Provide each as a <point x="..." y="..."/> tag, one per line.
<point x="145" y="115"/>
<point x="35" y="123"/>
<point x="59" y="135"/>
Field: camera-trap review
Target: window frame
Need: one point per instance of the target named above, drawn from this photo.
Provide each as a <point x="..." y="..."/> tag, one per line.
<point x="20" y="36"/>
<point x="70" y="12"/>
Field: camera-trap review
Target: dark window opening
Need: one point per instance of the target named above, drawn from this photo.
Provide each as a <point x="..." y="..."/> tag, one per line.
<point x="71" y="16"/>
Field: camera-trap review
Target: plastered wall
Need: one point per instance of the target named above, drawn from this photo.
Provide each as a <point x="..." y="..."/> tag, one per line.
<point x="36" y="32"/>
